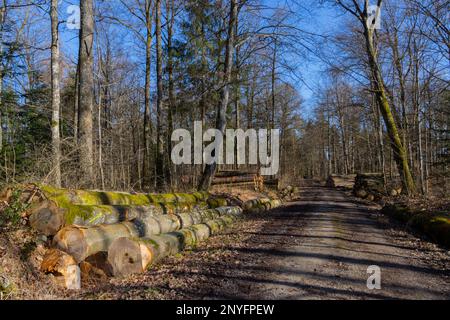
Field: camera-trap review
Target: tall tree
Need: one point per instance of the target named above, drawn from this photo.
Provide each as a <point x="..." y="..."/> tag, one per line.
<point x="86" y="92"/>
<point x="399" y="150"/>
<point x="2" y="27"/>
<point x="159" y="100"/>
<point x="221" y="118"/>
<point x="148" y="13"/>
<point x="171" y="106"/>
<point x="56" y="95"/>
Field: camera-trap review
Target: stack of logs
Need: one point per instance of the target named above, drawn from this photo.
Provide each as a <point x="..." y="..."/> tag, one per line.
<point x="341" y="181"/>
<point x="242" y="178"/>
<point x="134" y="230"/>
<point x="369" y="186"/>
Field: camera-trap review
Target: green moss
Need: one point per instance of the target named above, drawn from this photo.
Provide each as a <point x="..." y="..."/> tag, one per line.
<point x="435" y="226"/>
<point x="150" y="242"/>
<point x="163" y="198"/>
<point x="217" y="202"/>
<point x="201" y="196"/>
<point x="185" y="197"/>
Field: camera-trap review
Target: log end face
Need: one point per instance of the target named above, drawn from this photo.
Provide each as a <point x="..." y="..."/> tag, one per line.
<point x="125" y="257"/>
<point x="64" y="267"/>
<point x="47" y="220"/>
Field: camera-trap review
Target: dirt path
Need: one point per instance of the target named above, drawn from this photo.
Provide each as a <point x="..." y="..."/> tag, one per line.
<point x="329" y="255"/>
<point x="318" y="247"/>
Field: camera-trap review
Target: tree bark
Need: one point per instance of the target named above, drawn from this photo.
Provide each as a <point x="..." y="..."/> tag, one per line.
<point x="56" y="95"/>
<point x="86" y="93"/>
<point x="2" y="25"/>
<point x="147" y="113"/>
<point x="171" y="107"/>
<point x="159" y="161"/>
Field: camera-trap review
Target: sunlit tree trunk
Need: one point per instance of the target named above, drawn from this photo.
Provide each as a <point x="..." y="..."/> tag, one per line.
<point x="86" y="93"/>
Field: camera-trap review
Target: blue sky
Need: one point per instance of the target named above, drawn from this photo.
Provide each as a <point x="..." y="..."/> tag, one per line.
<point x="318" y="19"/>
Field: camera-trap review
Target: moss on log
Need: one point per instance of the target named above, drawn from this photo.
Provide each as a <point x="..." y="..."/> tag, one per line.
<point x="217" y="202"/>
<point x="135" y="255"/>
<point x="49" y="218"/>
<point x="82" y="242"/>
<point x="435" y="225"/>
<point x="67" y="197"/>
<point x="260" y="205"/>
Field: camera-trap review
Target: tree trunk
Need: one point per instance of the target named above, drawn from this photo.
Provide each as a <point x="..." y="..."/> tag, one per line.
<point x="147" y="113"/>
<point x="171" y="107"/>
<point x="221" y="120"/>
<point x="56" y="96"/>
<point x="86" y="93"/>
<point x="160" y="183"/>
<point x="2" y="23"/>
<point x="399" y="151"/>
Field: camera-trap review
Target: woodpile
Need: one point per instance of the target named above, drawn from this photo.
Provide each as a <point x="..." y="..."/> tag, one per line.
<point x="341" y="181"/>
<point x="288" y="192"/>
<point x="135" y="255"/>
<point x="369" y="186"/>
<point x="82" y="242"/>
<point x="241" y="178"/>
<point x="55" y="208"/>
<point x="86" y="226"/>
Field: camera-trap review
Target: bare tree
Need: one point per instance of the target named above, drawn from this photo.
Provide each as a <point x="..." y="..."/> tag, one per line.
<point x="399" y="150"/>
<point x="221" y="120"/>
<point x="56" y="95"/>
<point x="86" y="92"/>
<point x="159" y="101"/>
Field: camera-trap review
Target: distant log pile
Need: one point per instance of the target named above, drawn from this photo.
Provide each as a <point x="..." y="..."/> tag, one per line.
<point x="369" y="186"/>
<point x="239" y="178"/>
<point x="145" y="227"/>
<point x="288" y="192"/>
<point x="341" y="181"/>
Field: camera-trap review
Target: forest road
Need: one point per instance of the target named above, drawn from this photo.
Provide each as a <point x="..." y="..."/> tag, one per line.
<point x="320" y="247"/>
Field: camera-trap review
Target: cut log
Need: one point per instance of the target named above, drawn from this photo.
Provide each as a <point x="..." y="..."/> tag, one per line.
<point x="235" y="179"/>
<point x="372" y="183"/>
<point x="63" y="197"/>
<point x="82" y="242"/>
<point x="234" y="173"/>
<point x="135" y="255"/>
<point x="215" y="202"/>
<point x="341" y="181"/>
<point x="63" y="267"/>
<point x="361" y="193"/>
<point x="260" y="205"/>
<point x="49" y="219"/>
